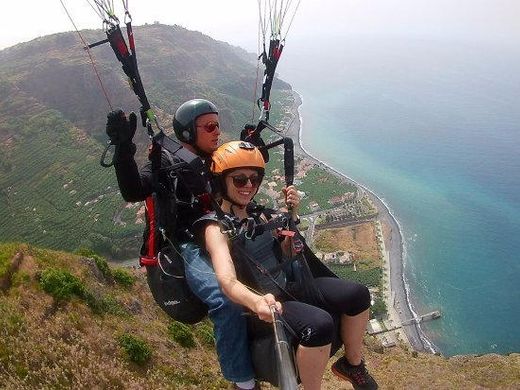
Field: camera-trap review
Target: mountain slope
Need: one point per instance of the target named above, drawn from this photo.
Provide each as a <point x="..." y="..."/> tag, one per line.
<point x="99" y="327"/>
<point x="52" y="117"/>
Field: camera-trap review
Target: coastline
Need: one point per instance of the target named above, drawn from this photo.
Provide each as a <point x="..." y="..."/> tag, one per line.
<point x="396" y="293"/>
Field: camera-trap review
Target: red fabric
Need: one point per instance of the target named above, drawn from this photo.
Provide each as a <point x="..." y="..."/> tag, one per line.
<point x="147" y="261"/>
<point x="150" y="208"/>
<point x="121" y="46"/>
<point x="205" y="202"/>
<point x="149" y="258"/>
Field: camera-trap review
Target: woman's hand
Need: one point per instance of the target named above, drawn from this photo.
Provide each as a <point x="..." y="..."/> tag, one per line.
<point x="263" y="307"/>
<point x="292" y="199"/>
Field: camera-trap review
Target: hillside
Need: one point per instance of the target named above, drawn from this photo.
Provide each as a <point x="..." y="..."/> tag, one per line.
<point x="52" y="119"/>
<point x="70" y="321"/>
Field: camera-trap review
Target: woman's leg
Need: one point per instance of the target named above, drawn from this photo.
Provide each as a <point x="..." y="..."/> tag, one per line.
<point x="352" y="331"/>
<point x="311" y="365"/>
<point x="352" y="300"/>
<point x="313" y="328"/>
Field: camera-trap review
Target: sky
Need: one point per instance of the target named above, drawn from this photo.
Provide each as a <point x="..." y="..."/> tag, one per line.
<point x="236" y="21"/>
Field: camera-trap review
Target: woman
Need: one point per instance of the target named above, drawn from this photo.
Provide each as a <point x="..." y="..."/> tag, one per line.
<point x="239" y="167"/>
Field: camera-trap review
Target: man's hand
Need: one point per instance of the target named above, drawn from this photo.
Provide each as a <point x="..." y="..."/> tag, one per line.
<point x="121" y="130"/>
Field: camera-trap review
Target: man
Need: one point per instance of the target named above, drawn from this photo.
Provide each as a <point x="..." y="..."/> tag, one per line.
<point x="197" y="127"/>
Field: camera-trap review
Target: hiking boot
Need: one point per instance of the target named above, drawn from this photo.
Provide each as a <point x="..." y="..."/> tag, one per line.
<point x="357" y="375"/>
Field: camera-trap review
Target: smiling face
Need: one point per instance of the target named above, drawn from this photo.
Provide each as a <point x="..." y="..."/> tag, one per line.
<point x="242" y="185"/>
<point x="208" y="132"/>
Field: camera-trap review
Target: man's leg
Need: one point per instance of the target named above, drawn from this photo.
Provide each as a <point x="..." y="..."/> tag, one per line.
<point x="230" y="327"/>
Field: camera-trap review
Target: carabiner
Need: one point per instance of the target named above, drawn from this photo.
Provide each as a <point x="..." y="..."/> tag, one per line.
<point x="104" y="155"/>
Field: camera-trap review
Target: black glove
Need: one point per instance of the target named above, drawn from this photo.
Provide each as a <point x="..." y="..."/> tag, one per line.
<point x="121" y="130"/>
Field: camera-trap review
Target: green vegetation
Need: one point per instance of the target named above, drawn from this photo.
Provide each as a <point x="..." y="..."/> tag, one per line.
<point x="104" y="304"/>
<point x="204" y="332"/>
<point x="53" y="192"/>
<point x="118" y="275"/>
<point x="101" y="263"/>
<point x="123" y="277"/>
<point x="61" y="284"/>
<point x="378" y="309"/>
<point x="182" y="334"/>
<point x="7" y="252"/>
<point x="60" y="346"/>
<point x="320" y="186"/>
<point x="368" y="277"/>
<point x="136" y="349"/>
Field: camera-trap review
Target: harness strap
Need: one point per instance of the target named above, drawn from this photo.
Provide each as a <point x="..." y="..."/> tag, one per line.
<point x="263" y="270"/>
<point x="254" y="229"/>
<point x="149" y="258"/>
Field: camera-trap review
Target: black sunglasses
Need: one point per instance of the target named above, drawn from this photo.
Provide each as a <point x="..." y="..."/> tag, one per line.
<point x="240" y="181"/>
<point x="210" y="127"/>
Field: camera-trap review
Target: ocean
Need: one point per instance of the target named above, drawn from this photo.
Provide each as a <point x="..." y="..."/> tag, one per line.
<point x="433" y="128"/>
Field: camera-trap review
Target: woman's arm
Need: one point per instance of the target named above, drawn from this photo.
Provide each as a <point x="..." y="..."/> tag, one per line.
<point x="217" y="247"/>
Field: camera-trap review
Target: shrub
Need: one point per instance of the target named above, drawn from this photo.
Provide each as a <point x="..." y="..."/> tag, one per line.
<point x="123" y="277"/>
<point x="101" y="263"/>
<point x="61" y="284"/>
<point x="182" y="334"/>
<point x="379" y="308"/>
<point x="204" y="332"/>
<point x="136" y="349"/>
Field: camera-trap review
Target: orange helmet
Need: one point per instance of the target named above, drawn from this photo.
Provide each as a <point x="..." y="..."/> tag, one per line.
<point x="237" y="154"/>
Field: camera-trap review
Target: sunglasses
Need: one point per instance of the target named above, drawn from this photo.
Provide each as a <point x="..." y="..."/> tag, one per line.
<point x="210" y="127"/>
<point x="240" y="181"/>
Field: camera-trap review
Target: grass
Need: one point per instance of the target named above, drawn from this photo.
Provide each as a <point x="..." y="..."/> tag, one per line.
<point x="7" y="252"/>
<point x="43" y="346"/>
<point x="182" y="334"/>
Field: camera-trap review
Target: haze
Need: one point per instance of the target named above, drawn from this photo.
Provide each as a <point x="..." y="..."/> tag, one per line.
<point x="235" y="21"/>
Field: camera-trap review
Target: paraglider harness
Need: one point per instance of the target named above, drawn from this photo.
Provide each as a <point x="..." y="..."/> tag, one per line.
<point x="160" y="250"/>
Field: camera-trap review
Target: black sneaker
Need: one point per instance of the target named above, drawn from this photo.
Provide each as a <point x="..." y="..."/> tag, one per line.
<point x="357" y="375"/>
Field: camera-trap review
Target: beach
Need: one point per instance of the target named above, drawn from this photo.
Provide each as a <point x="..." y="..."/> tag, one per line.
<point x="396" y="291"/>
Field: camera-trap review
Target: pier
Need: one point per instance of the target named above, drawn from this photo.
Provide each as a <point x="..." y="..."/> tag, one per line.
<point x="375" y="327"/>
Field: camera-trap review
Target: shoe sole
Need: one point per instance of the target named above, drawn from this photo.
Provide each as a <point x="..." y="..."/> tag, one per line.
<point x="339" y="374"/>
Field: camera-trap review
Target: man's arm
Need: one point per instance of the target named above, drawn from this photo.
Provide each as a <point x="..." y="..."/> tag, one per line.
<point x="135" y="186"/>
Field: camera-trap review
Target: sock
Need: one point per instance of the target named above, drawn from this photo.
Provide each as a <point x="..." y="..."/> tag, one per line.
<point x="250" y="384"/>
<point x="353" y="365"/>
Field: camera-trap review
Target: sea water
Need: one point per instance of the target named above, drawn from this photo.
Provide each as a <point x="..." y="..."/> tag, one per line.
<point x="433" y="128"/>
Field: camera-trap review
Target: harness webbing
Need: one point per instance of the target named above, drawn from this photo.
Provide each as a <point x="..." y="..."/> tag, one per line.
<point x="270" y="60"/>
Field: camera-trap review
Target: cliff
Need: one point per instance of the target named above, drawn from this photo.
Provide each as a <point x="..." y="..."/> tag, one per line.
<point x="72" y="321"/>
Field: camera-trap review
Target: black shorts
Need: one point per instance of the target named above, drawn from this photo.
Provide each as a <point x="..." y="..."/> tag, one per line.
<point x="314" y="326"/>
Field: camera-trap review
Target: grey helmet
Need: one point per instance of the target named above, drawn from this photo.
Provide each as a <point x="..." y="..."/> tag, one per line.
<point x="187" y="114"/>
